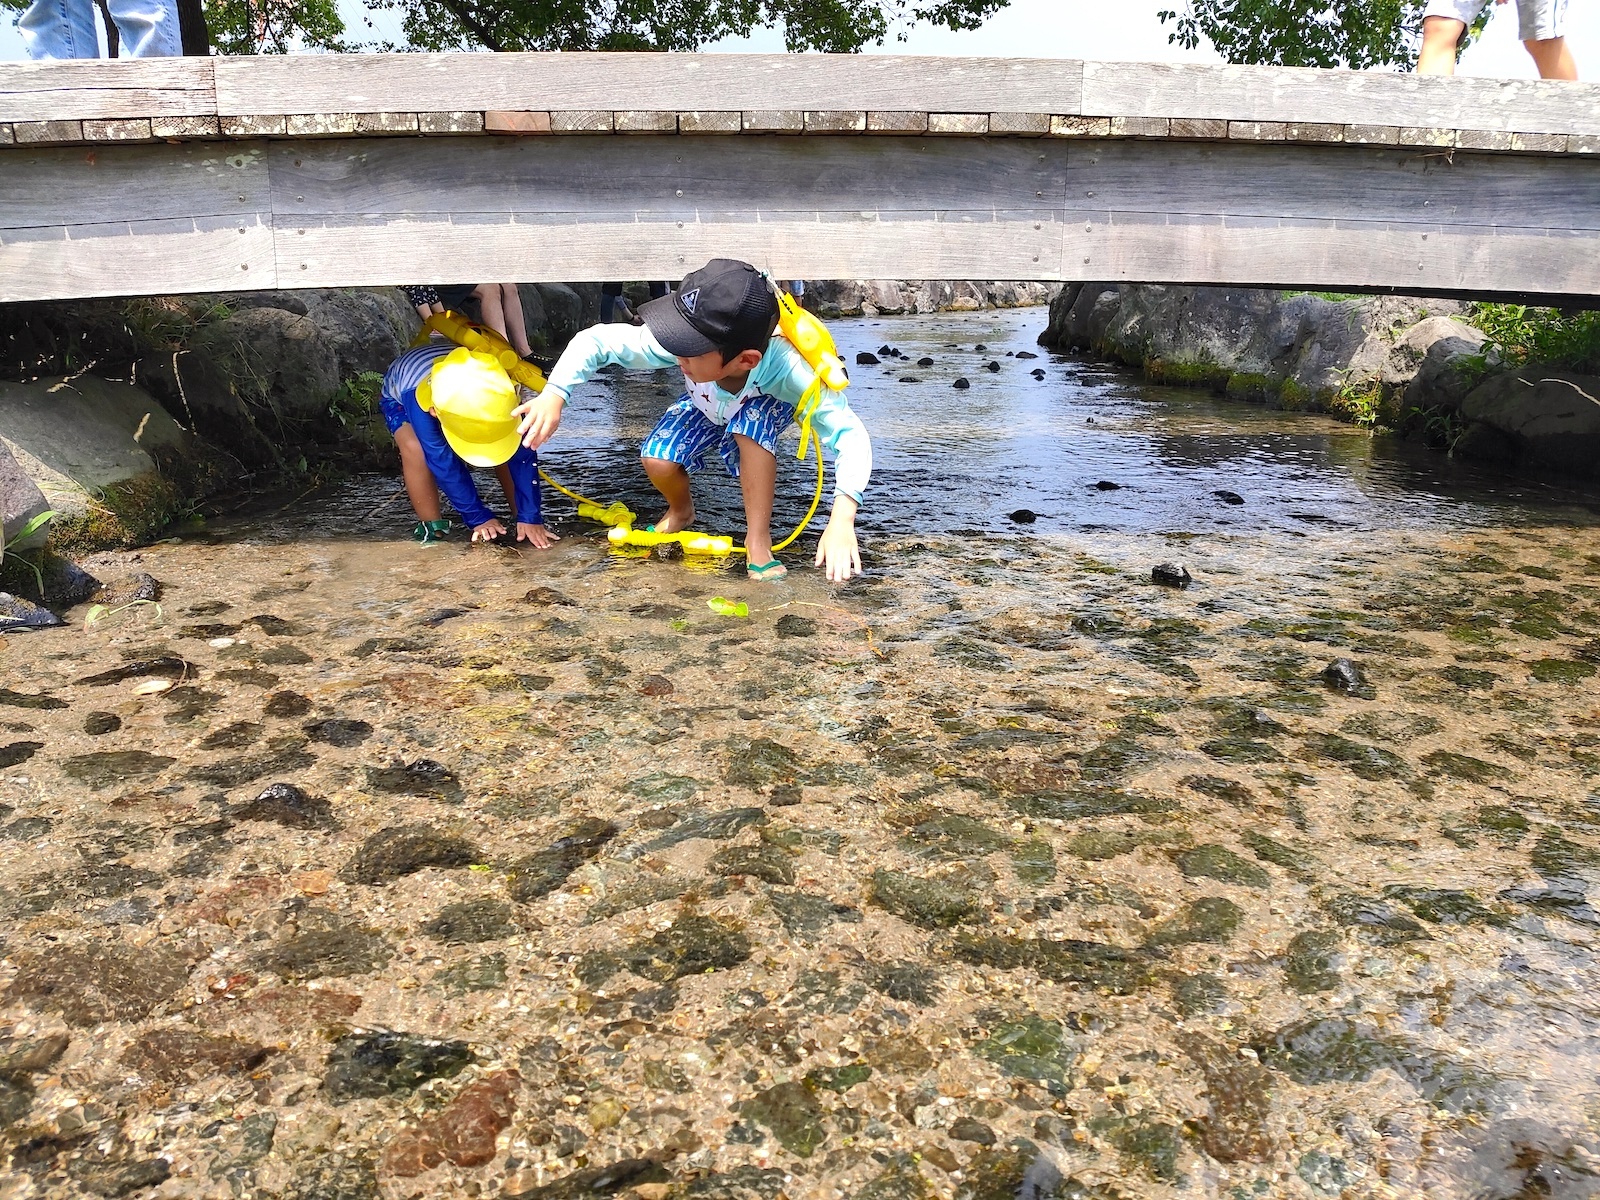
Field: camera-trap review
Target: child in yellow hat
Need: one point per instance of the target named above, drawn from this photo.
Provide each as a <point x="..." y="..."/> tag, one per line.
<point x="449" y="410"/>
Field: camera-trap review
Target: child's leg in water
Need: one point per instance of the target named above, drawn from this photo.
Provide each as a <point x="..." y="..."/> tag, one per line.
<point x="420" y="487"/>
<point x="672" y="481"/>
<point x="758" y="480"/>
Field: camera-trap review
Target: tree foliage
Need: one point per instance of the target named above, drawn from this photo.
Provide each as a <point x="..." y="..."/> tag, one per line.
<point x="274" y="26"/>
<point x="1359" y="34"/>
<point x="834" y="25"/>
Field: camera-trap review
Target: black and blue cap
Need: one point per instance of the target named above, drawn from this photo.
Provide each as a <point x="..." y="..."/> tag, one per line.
<point x="726" y="305"/>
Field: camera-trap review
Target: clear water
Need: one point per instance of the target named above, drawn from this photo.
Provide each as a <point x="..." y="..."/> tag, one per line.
<point x="1000" y="868"/>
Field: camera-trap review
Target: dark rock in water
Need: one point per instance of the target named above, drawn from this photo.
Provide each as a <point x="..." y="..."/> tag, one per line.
<point x="1240" y="1094"/>
<point x="119" y="1176"/>
<point x="325" y="945"/>
<point x="335" y="1177"/>
<point x="273" y="626"/>
<point x="27" y="700"/>
<point x="130" y="589"/>
<point x="1173" y="575"/>
<point x="544" y="597"/>
<point x="618" y="1177"/>
<point x="285" y="656"/>
<point x="806" y="916"/>
<point x="791" y="626"/>
<point x="16" y="613"/>
<point x="286" y="704"/>
<point x="962" y="383"/>
<point x="285" y="804"/>
<point x="205" y="632"/>
<point x="486" y="973"/>
<point x="249" y="677"/>
<point x="65" y="582"/>
<point x="1228" y="497"/>
<point x="421" y="778"/>
<point x="107" y="768"/>
<point x="20" y="752"/>
<point x="1212" y="861"/>
<point x="543" y="872"/>
<point x="367" y="1066"/>
<point x="468" y="922"/>
<point x="1031" y="1048"/>
<point x="929" y="903"/>
<point x="98" y="724"/>
<point x="767" y="863"/>
<point x="719" y="825"/>
<point x="1024" y="516"/>
<point x="1345" y="675"/>
<point x="1211" y="919"/>
<point x="166" y="667"/>
<point x="1026" y="354"/>
<point x="991" y="365"/>
<point x="791" y="1113"/>
<point x="185" y="703"/>
<point x="338" y="731"/>
<point x="866" y="359"/>
<point x="1037" y="373"/>
<point x="439" y="616"/>
<point x="181" y="1055"/>
<point x="909" y="982"/>
<point x="1311" y="962"/>
<point x="233" y="737"/>
<point x="1066" y="961"/>
<point x="1378" y="920"/>
<point x="981" y="348"/>
<point x="31" y="1055"/>
<point x="404" y="849"/>
<point x="1230" y="790"/>
<point x="692" y="945"/>
<point x="27" y="829"/>
<point x="1241" y="750"/>
<point x="968" y="1129"/>
<point x="1106" y="485"/>
<point x="760" y="762"/>
<point x="95" y="983"/>
<point x="107" y="880"/>
<point x="887" y="351"/>
<point x="284" y="758"/>
<point x="909" y="379"/>
<point x="924" y="362"/>
<point x="1368" y="762"/>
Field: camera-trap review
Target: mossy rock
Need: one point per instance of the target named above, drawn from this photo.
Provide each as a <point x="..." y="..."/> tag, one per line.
<point x="1211" y="919"/>
<point x="1218" y="862"/>
<point x="1561" y="670"/>
<point x="929" y="903"/>
<point x="1311" y="962"/>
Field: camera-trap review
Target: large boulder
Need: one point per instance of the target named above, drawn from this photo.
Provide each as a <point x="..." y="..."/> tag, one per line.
<point x="1552" y="417"/>
<point x="199" y="396"/>
<point x="283" y="364"/>
<point x="20" y="502"/>
<point x="1446" y="358"/>
<point x="894" y="297"/>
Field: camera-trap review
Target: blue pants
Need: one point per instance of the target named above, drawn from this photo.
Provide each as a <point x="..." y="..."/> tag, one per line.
<point x="66" y="29"/>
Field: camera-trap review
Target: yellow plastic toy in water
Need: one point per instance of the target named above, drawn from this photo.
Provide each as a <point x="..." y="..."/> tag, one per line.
<point x="692" y="541"/>
<point x="486" y="341"/>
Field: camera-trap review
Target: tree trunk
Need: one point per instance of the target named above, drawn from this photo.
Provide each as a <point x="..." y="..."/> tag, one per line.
<point x="192" y="26"/>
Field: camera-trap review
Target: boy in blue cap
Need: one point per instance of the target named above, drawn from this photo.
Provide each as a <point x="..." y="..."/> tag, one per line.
<point x="743" y="385"/>
<point x="450" y="409"/>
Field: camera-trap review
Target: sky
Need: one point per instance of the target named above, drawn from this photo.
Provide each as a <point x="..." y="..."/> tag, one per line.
<point x="1088" y="29"/>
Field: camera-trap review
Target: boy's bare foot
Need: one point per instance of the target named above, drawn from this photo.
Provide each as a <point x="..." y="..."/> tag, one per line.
<point x="675" y="521"/>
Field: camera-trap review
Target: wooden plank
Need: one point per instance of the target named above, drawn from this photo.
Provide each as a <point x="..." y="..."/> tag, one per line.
<point x="710" y="122"/>
<point x="1077" y="127"/>
<point x="1151" y="127"/>
<point x="1583" y="145"/>
<point x="830" y="245"/>
<point x="495" y="121"/>
<point x="1314" y="131"/>
<point x="272" y="84"/>
<point x="660" y="176"/>
<point x="96" y="89"/>
<point x="585" y="121"/>
<point x="7" y="136"/>
<point x="1018" y="124"/>
<point x="768" y="120"/>
<point x="1372" y="135"/>
<point x="386" y="122"/>
<point x="955" y="124"/>
<point x="118" y="129"/>
<point x="138" y="258"/>
<point x="1198" y="129"/>
<point x="1335" y="183"/>
<point x="320" y="124"/>
<point x="1300" y="94"/>
<point x="1540" y="143"/>
<point x="1357" y="254"/>
<point x="47" y="133"/>
<point x="1414" y="136"/>
<point x="1483" y="139"/>
<point x="836" y="121"/>
<point x="185" y="127"/>
<point x="1258" y="131"/>
<point x="450" y="122"/>
<point x="645" y="122"/>
<point x="897" y="122"/>
<point x="246" y="127"/>
<point x="83" y="186"/>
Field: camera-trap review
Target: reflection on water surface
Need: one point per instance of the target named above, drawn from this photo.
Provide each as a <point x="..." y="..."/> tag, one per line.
<point x="1000" y="868"/>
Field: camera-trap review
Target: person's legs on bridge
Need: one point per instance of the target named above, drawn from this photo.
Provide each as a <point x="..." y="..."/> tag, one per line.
<point x="148" y="28"/>
<point x="1542" y="27"/>
<point x="59" y="29"/>
<point x="1444" y="23"/>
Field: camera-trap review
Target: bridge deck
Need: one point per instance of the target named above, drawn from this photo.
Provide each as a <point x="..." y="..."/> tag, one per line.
<point x="228" y="174"/>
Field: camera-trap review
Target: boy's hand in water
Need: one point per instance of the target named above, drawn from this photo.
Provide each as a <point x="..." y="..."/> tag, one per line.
<point x="541" y="536"/>
<point x="837" y="550"/>
<point x="541" y="417"/>
<point x="488" y="531"/>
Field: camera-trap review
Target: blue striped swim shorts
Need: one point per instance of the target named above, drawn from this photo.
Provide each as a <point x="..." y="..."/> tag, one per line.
<point x="685" y="435"/>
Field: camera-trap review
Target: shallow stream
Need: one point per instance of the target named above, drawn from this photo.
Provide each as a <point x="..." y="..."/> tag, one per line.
<point x="1001" y="871"/>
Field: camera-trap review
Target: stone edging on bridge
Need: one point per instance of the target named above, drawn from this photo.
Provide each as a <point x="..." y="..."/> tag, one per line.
<point x="24" y="134"/>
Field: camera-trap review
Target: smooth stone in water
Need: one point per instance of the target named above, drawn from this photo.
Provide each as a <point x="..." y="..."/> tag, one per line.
<point x="287" y="805"/>
<point x="766" y="863"/>
<point x="1228" y="497"/>
<point x="470" y="921"/>
<point x="404" y="849"/>
<point x="165" y="667"/>
<point x="991" y="365"/>
<point x="338" y="731"/>
<point x="929" y="903"/>
<point x="792" y="626"/>
<point x="26" y="700"/>
<point x="421" y="778"/>
<point x="368" y="1066"/>
<point x="1023" y="516"/>
<point x="286" y="704"/>
<point x="866" y="358"/>
<point x="1106" y="485"/>
<point x="18" y="614"/>
<point x="1345" y="675"/>
<point x="1173" y="575"/>
<point x="19" y="752"/>
<point x="962" y="383"/>
<point x="924" y="362"/>
<point x="106" y="768"/>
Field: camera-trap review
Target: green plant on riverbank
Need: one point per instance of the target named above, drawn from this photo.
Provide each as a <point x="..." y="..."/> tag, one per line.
<point x="356" y="400"/>
<point x="23" y="534"/>
<point x="1546" y="337"/>
<point x="1359" y="401"/>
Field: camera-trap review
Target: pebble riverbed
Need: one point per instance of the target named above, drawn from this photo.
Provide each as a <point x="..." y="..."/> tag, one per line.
<point x="352" y="868"/>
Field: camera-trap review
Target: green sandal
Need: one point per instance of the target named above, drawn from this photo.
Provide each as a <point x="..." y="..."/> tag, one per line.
<point x="430" y="531"/>
<point x="766" y="572"/>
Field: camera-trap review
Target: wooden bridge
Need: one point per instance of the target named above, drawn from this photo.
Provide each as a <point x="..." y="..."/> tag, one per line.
<point x="184" y="175"/>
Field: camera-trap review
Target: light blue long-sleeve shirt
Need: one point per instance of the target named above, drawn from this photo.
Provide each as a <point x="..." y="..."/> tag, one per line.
<point x="782" y="373"/>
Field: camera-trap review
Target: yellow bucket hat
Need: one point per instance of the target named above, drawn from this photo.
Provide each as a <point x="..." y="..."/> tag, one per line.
<point x="472" y="396"/>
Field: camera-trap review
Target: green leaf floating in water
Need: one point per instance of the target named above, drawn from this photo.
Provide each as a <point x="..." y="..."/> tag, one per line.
<point x="728" y="608"/>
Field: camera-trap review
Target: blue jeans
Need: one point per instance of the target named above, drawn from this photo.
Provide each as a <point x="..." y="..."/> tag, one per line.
<point x="66" y="29"/>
